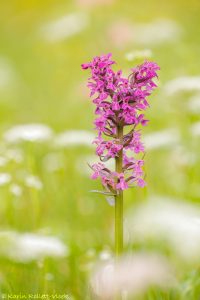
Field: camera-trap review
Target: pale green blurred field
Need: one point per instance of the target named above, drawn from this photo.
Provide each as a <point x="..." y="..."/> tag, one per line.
<point x="46" y="85"/>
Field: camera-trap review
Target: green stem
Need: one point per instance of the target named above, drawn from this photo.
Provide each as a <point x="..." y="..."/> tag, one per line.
<point x="119" y="201"/>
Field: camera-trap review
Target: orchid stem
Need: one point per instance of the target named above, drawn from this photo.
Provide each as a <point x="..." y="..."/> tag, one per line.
<point x="119" y="200"/>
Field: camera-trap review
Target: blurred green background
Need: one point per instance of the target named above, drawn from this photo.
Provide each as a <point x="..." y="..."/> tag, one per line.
<point x="44" y="182"/>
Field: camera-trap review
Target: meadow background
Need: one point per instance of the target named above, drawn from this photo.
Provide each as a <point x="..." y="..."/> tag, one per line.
<point x="52" y="229"/>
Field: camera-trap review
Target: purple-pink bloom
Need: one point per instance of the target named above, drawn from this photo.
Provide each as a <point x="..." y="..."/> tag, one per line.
<point x="122" y="184"/>
<point x="141" y="182"/>
<point x="120" y="102"/>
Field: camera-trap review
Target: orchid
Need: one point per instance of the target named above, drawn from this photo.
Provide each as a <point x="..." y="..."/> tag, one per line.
<point x="120" y="105"/>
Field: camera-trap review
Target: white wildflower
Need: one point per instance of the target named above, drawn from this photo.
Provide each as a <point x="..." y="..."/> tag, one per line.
<point x="64" y="27"/>
<point x="172" y="220"/>
<point x="33" y="182"/>
<point x="161" y="139"/>
<point x="182" y="84"/>
<point x="27" y="247"/>
<point x="28" y="132"/>
<point x="74" y="138"/>
<point x="16" y="189"/>
<point x="156" y="32"/>
<point x="4" y="178"/>
<point x="105" y="255"/>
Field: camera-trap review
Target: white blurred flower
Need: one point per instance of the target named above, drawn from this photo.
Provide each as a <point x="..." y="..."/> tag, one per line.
<point x="74" y="138"/>
<point x="182" y="84"/>
<point x="161" y="139"/>
<point x="121" y="33"/>
<point x="156" y="32"/>
<point x="33" y="182"/>
<point x="168" y="219"/>
<point x="105" y="255"/>
<point x="4" y="178"/>
<point x="132" y="275"/>
<point x="16" y="189"/>
<point x="195" y="129"/>
<point x="27" y="247"/>
<point x="64" y="27"/>
<point x="28" y="132"/>
<point x="146" y="53"/>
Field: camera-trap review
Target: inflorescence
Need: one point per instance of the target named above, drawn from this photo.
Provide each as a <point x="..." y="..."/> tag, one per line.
<point x="119" y="104"/>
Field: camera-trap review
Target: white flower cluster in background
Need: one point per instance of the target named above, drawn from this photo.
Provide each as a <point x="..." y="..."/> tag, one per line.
<point x="174" y="221"/>
<point x="123" y="32"/>
<point x="28" y="246"/>
<point x="182" y="84"/>
<point x="28" y="132"/>
<point x="64" y="27"/>
<point x="74" y="138"/>
<point x="166" y="138"/>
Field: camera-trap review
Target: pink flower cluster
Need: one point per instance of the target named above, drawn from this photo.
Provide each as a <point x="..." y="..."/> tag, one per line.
<point x="119" y="103"/>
